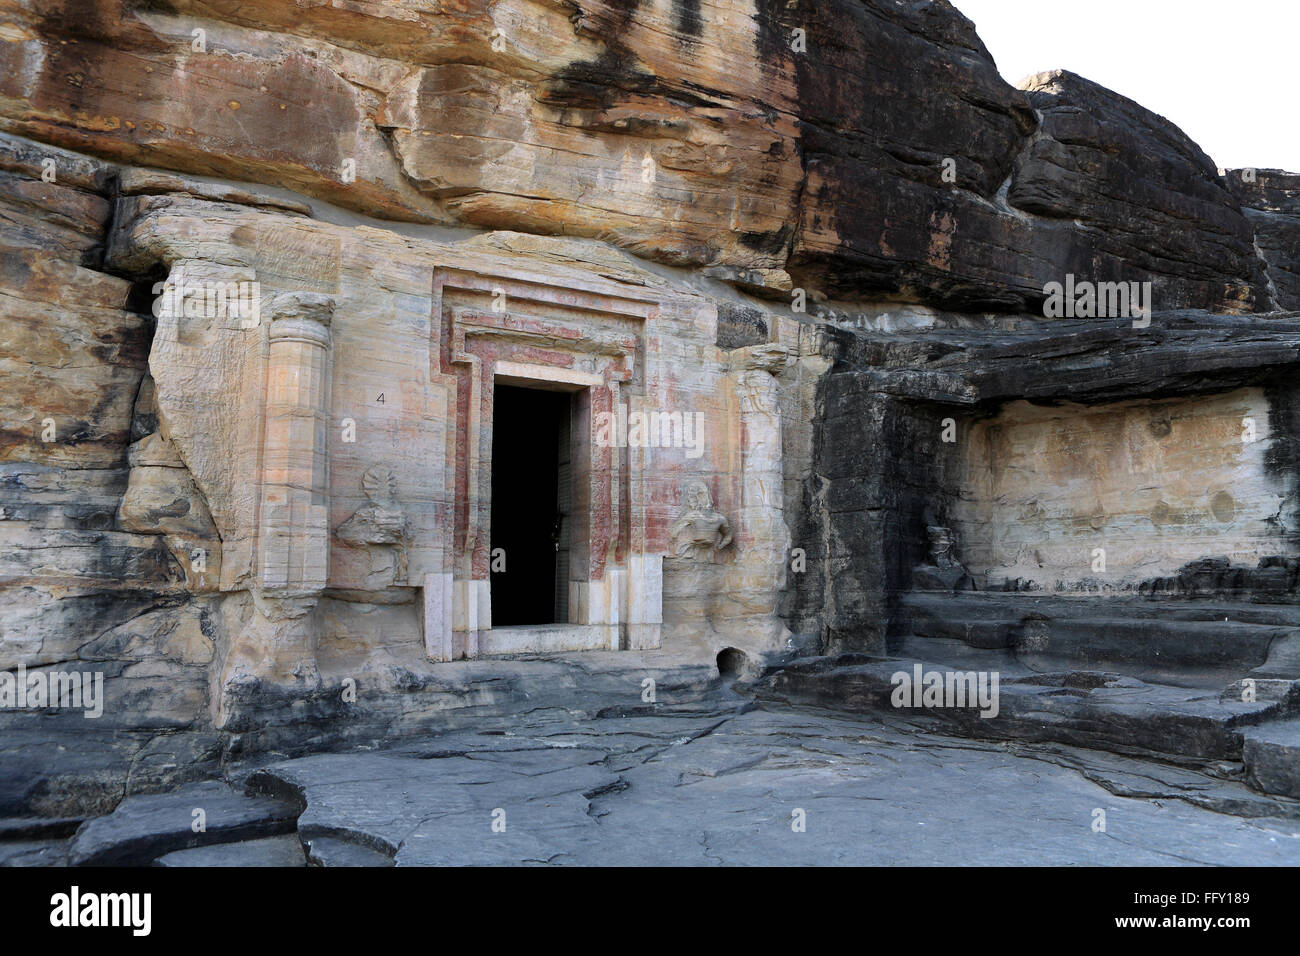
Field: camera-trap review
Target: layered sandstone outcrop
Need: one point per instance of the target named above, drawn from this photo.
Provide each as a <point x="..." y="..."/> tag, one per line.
<point x="862" y="148"/>
<point x="233" y="514"/>
<point x="1130" y="182"/>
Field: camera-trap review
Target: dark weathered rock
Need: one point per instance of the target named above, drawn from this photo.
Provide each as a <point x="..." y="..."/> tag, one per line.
<point x="740" y="326"/>
<point x="1272" y="757"/>
<point x="144" y="828"/>
<point x="278" y="851"/>
<point x="38" y="828"/>
<point x="1138" y="635"/>
<point x="1283" y="658"/>
<point x="1149" y="202"/>
<point x="58" y="765"/>
<point x="34" y="853"/>
<point x="1086" y="709"/>
<point x="887" y="94"/>
<point x="1271" y="200"/>
<point x="328" y="851"/>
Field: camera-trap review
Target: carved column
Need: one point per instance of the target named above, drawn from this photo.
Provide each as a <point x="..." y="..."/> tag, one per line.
<point x="765" y="536"/>
<point x="293" y="540"/>
<point x="273" y="657"/>
<point x="762" y="491"/>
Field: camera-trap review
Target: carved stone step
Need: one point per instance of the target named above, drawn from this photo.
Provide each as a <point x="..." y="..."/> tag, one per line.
<point x="1271" y="753"/>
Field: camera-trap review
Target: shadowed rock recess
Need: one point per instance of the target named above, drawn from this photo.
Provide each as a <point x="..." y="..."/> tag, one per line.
<point x="603" y="412"/>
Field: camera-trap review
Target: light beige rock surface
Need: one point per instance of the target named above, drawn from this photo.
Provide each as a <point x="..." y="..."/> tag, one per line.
<point x="1155" y="484"/>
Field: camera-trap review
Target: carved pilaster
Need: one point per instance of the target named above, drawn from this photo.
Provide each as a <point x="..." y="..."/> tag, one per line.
<point x="762" y="492"/>
<point x="293" y="538"/>
<point x="764" y="537"/>
<point x="273" y="657"/>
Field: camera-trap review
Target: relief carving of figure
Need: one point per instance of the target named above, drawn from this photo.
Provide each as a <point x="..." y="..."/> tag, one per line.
<point x="703" y="531"/>
<point x="942" y="569"/>
<point x="379" y="521"/>
<point x="941" y="547"/>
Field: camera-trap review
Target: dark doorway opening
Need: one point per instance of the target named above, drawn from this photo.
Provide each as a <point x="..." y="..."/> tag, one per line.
<point x="530" y="437"/>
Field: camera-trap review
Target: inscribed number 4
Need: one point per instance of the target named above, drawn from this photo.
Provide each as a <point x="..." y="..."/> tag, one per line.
<point x="380" y="399"/>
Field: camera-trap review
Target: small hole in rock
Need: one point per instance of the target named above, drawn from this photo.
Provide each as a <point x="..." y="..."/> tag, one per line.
<point x="731" y="662"/>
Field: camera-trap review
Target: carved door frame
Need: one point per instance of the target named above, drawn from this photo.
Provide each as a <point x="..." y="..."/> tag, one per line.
<point x="522" y="330"/>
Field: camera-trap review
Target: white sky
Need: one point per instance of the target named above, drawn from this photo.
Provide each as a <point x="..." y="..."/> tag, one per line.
<point x="1226" y="72"/>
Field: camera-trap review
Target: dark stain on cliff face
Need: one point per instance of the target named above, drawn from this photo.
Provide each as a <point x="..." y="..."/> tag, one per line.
<point x="598" y="84"/>
<point x="67" y="22"/>
<point x="772" y="33"/>
<point x="686" y="17"/>
<point x="768" y="242"/>
<point x="803" y="604"/>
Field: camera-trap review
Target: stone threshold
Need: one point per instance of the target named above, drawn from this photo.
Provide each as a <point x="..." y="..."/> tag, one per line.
<point x="548" y="639"/>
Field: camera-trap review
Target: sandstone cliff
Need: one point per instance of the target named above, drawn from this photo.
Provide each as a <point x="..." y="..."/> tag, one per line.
<point x="660" y="181"/>
<point x="853" y="148"/>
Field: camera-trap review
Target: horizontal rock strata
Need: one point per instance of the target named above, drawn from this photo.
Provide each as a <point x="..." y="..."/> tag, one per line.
<point x="860" y="146"/>
<point x="826" y="233"/>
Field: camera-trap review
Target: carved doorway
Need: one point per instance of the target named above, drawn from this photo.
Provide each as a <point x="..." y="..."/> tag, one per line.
<point x="586" y="345"/>
<point x="530" y="494"/>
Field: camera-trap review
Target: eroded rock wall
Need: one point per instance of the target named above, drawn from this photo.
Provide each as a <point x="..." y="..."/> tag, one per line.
<point x="980" y="462"/>
<point x="1108" y="497"/>
<point x="1270" y="199"/>
<point x="95" y="512"/>
<point x="853" y="148"/>
<point x="180" y="508"/>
